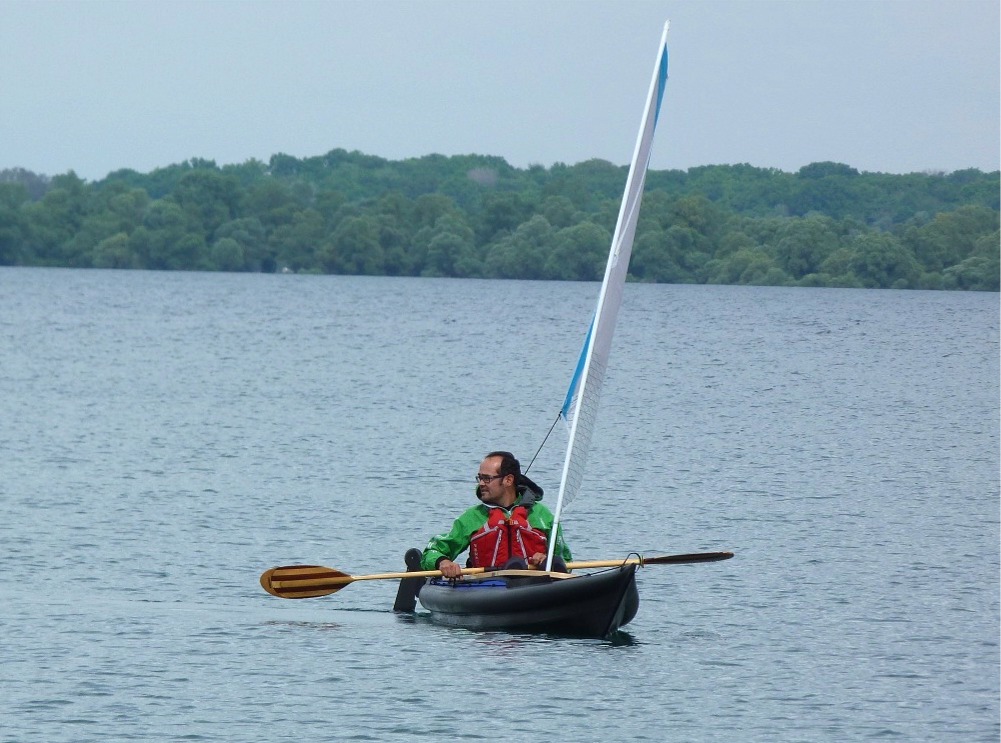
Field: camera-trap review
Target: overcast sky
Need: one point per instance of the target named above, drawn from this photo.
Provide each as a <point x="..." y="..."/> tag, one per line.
<point x="882" y="85"/>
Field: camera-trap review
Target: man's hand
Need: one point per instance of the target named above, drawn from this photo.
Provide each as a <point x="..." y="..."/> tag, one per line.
<point x="449" y="569"/>
<point x="539" y="558"/>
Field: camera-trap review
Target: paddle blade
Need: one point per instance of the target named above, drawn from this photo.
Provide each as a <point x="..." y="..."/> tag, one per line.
<point x="680" y="559"/>
<point x="303" y="581"/>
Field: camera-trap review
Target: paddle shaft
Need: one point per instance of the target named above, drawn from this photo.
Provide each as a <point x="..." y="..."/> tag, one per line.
<point x="656" y="560"/>
<point x="309" y="581"/>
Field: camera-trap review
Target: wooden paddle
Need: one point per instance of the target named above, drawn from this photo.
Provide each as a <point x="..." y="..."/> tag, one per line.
<point x="309" y="581"/>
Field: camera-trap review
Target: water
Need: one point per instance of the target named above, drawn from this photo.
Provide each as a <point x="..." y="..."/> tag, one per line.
<point x="165" y="437"/>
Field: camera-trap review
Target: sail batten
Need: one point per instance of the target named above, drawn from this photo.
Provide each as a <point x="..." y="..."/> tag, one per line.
<point x="581" y="402"/>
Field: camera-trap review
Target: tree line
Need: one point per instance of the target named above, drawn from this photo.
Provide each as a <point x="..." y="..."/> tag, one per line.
<point x="477" y="216"/>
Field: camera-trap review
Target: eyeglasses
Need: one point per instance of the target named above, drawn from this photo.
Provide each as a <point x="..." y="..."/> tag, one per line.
<point x="487" y="478"/>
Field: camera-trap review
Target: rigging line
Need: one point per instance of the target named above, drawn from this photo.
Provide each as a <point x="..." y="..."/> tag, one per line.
<point x="543" y="443"/>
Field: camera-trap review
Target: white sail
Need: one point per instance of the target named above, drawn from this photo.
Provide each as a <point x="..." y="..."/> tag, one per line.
<point x="580" y="406"/>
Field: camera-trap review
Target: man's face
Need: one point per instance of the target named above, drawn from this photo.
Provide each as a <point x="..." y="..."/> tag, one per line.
<point x="491" y="488"/>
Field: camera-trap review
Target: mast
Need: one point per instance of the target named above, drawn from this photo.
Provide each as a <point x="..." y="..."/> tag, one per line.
<point x="580" y="407"/>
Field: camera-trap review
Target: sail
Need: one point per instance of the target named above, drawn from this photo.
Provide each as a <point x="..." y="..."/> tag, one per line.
<point x="581" y="403"/>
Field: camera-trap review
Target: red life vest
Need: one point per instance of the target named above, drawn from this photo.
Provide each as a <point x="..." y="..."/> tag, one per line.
<point x="504" y="537"/>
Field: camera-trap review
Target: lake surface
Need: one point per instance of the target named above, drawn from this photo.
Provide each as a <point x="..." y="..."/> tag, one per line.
<point x="165" y="437"/>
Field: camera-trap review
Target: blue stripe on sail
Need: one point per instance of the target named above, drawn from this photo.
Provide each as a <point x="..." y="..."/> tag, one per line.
<point x="661" y="83"/>
<point x="565" y="410"/>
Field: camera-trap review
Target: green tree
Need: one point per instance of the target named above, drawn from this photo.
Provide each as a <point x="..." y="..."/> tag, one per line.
<point x="745" y="266"/>
<point x="53" y="221"/>
<point x="655" y="259"/>
<point x="114" y="252"/>
<point x="733" y="241"/>
<point x="502" y="212"/>
<point x="161" y="242"/>
<point x="354" y="248"/>
<point x="690" y="250"/>
<point x="881" y="261"/>
<point x="451" y="249"/>
<point x="271" y="202"/>
<point x="226" y="254"/>
<point x="976" y="273"/>
<point x="522" y="254"/>
<point x="560" y="212"/>
<point x="13" y="235"/>
<point x="95" y="228"/>
<point x="804" y="244"/>
<point x="701" y="216"/>
<point x="563" y="182"/>
<point x="128" y="207"/>
<point x="398" y="259"/>
<point x="950" y="237"/>
<point x="429" y="208"/>
<point x="295" y="244"/>
<point x="826" y="188"/>
<point x="578" y="253"/>
<point x="208" y="198"/>
<point x="249" y="234"/>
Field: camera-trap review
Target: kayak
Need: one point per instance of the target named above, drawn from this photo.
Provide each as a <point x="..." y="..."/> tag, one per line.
<point x="588" y="605"/>
<point x="595" y="604"/>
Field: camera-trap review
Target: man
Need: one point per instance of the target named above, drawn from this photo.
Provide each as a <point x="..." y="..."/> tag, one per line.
<point x="508" y="528"/>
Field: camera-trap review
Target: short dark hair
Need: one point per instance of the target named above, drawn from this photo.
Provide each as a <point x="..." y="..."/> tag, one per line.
<point x="509" y="465"/>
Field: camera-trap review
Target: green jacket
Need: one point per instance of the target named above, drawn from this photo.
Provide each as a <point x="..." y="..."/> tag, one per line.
<point x="455" y="542"/>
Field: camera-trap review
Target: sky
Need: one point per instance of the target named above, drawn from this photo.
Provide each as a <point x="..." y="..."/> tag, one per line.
<point x="892" y="86"/>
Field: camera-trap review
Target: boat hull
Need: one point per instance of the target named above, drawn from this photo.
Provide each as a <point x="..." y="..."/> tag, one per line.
<point x="591" y="605"/>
